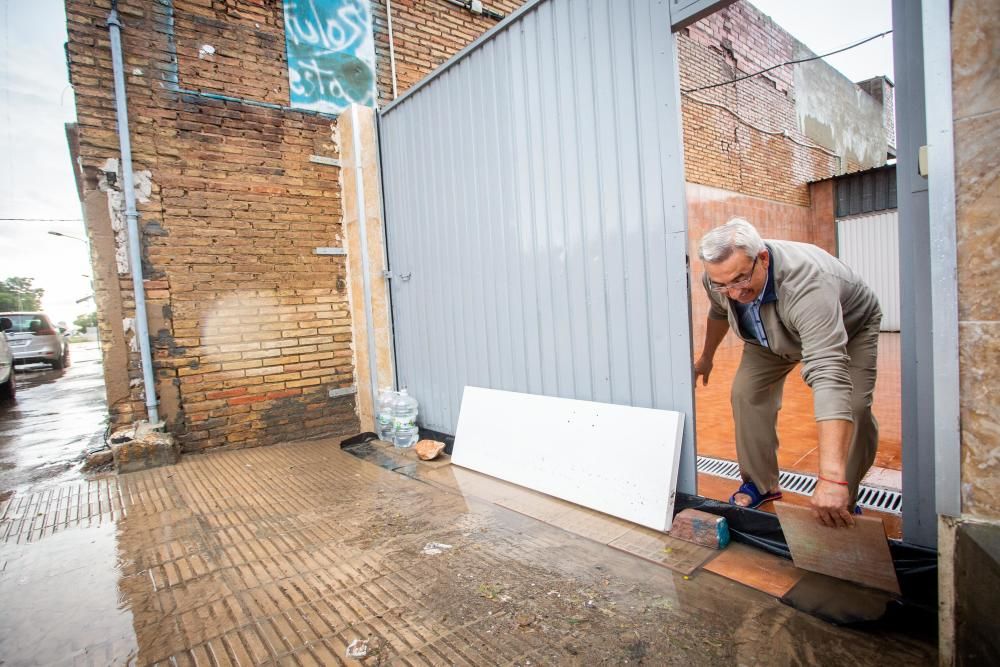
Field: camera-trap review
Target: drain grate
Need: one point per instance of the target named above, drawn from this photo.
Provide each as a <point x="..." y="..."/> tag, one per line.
<point x="869" y="497"/>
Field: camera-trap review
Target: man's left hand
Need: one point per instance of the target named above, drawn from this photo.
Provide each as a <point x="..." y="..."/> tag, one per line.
<point x="829" y="504"/>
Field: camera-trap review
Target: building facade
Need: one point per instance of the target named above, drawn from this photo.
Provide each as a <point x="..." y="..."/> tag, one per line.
<point x="239" y="173"/>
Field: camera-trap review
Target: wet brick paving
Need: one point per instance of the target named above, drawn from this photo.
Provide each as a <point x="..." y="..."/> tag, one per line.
<point x="288" y="554"/>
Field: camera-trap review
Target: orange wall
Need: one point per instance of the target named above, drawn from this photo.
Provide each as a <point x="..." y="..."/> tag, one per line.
<point x="710" y="207"/>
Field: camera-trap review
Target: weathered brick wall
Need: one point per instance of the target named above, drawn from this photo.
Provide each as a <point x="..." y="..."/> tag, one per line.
<point x="250" y="329"/>
<point x="724" y="145"/>
<point x="426" y="33"/>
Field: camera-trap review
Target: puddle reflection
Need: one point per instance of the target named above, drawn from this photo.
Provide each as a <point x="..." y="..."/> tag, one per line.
<point x="61" y="601"/>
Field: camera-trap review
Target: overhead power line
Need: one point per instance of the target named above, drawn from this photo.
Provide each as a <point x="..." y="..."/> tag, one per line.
<point x="788" y="62"/>
<point x="41" y="219"/>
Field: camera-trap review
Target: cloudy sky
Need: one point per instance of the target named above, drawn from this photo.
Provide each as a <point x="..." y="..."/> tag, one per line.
<point x="826" y="26"/>
<point x="36" y="179"/>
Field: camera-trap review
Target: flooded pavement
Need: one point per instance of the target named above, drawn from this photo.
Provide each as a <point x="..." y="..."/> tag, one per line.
<point x="292" y="554"/>
<point x="57" y="416"/>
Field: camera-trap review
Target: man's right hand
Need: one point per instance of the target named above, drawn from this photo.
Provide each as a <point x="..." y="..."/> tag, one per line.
<point x="703" y="367"/>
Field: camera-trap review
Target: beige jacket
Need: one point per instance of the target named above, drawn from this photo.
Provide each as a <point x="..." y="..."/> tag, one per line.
<point x="812" y="306"/>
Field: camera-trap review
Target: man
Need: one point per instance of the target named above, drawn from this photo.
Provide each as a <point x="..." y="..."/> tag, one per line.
<point x="792" y="302"/>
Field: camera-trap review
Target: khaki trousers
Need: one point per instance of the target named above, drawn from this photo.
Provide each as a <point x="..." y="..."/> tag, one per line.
<point x="756" y="399"/>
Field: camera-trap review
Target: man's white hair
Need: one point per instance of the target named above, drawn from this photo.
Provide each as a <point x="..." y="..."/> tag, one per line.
<point x="737" y="234"/>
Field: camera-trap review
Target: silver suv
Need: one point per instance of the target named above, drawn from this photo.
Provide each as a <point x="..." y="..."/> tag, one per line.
<point x="33" y="339"/>
<point x="7" y="384"/>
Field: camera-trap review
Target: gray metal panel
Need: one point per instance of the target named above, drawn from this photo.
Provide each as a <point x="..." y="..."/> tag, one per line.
<point x="534" y="196"/>
<point x="916" y="341"/>
<point x="869" y="244"/>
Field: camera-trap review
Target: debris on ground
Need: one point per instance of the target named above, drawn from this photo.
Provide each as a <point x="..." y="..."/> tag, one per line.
<point x="434" y="548"/>
<point x="142" y="446"/>
<point x="358" y="649"/>
<point x="524" y="619"/>
<point x="490" y="591"/>
<point x="371" y="651"/>
<point x="428" y="450"/>
<point x="99" y="459"/>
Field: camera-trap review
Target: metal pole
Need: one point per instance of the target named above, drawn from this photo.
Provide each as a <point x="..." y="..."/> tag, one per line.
<point x="386" y="269"/>
<point x="132" y="218"/>
<point x="943" y="264"/>
<point x="392" y="49"/>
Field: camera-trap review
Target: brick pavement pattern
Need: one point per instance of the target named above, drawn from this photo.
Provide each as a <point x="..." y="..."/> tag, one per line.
<point x="287" y="554"/>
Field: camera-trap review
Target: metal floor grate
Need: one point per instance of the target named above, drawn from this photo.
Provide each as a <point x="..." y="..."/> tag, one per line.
<point x="869" y="497"/>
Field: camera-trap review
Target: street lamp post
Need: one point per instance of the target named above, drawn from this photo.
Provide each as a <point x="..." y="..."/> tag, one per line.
<point x="87" y="243"/>
<point x="76" y="238"/>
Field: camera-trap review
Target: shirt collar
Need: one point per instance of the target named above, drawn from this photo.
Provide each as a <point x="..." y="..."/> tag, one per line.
<point x="768" y="294"/>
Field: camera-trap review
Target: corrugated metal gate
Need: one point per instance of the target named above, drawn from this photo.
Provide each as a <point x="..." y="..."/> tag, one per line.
<point x="535" y="215"/>
<point x="869" y="244"/>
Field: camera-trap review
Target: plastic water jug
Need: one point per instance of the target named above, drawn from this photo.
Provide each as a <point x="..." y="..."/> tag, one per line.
<point x="404" y="418"/>
<point x="384" y="426"/>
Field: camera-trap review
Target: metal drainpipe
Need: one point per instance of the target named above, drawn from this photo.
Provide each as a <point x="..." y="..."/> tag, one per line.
<point x="132" y="218"/>
<point x="392" y="49"/>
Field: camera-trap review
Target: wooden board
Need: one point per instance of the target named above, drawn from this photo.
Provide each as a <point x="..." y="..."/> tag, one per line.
<point x="859" y="553"/>
<point x="756" y="568"/>
<point x="616" y="459"/>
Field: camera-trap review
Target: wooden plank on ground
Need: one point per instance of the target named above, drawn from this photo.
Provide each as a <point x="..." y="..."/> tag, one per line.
<point x="756" y="568"/>
<point x="859" y="553"/>
<point x="616" y="459"/>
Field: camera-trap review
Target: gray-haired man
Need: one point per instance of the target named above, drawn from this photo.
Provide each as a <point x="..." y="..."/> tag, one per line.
<point x="792" y="302"/>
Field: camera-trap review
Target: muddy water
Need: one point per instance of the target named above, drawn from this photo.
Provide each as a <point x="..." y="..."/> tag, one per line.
<point x="61" y="601"/>
<point x="56" y="417"/>
<point x="288" y="554"/>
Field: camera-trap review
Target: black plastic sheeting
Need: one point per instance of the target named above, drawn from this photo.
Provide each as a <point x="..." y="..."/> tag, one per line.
<point x="915" y="611"/>
<point x="425" y="434"/>
<point x="916" y="567"/>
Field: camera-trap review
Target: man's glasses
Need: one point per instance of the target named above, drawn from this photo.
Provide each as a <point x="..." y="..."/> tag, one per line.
<point x="740" y="284"/>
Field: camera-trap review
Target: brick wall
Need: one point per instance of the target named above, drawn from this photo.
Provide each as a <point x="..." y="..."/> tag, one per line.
<point x="709" y="207"/>
<point x="733" y="133"/>
<point x="426" y="33"/>
<point x="250" y="329"/>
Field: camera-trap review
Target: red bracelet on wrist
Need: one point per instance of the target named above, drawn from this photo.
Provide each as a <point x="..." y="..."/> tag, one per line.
<point x="833" y="481"/>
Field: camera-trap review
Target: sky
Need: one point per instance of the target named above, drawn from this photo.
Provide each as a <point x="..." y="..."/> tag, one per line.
<point x="36" y="100"/>
<point x="36" y="177"/>
<point x="826" y="26"/>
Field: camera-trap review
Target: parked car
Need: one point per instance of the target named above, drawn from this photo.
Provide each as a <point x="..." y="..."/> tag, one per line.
<point x="8" y="386"/>
<point x="33" y="339"/>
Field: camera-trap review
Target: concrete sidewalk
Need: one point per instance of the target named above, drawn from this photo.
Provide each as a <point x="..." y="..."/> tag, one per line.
<point x="288" y="554"/>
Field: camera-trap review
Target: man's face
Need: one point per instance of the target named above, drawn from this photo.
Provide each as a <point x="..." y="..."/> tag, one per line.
<point x="743" y="276"/>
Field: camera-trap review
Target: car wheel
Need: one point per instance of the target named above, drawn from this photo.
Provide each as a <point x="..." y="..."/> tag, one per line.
<point x="8" y="390"/>
<point x="65" y="358"/>
<point x="58" y="364"/>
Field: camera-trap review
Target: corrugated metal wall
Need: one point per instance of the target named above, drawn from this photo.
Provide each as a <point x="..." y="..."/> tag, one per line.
<point x="868" y="191"/>
<point x="534" y="204"/>
<point x="870" y="245"/>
